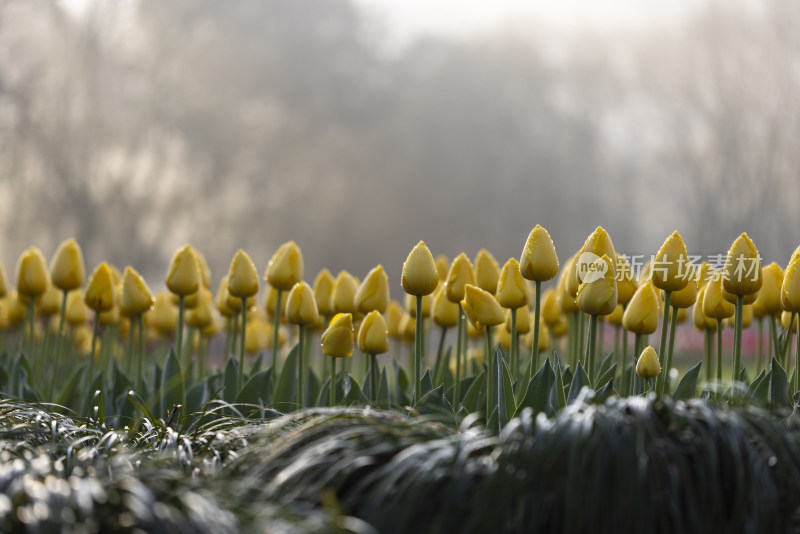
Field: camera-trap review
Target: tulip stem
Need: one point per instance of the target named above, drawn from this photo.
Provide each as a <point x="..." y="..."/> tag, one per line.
<point x="437" y="369"/>
<point x="418" y="351"/>
<point x="624" y="355"/>
<point x="459" y="348"/>
<point x="787" y="343"/>
<point x="61" y="315"/>
<point x="140" y="327"/>
<point x="275" y="334"/>
<point x="300" y="367"/>
<point x="535" y="347"/>
<point x="240" y="379"/>
<point x="637" y="342"/>
<point x="672" y="325"/>
<point x="333" y="381"/>
<point x="228" y="329"/>
<point x="707" y="351"/>
<point x="591" y="347"/>
<point x="776" y="344"/>
<point x="95" y="328"/>
<point x="719" y="349"/>
<point x="514" y="349"/>
<point x="737" y="340"/>
<point x="760" y="351"/>
<point x="373" y="377"/>
<point x="582" y="337"/>
<point x="179" y="333"/>
<point x="662" y="353"/>
<point x="489" y="376"/>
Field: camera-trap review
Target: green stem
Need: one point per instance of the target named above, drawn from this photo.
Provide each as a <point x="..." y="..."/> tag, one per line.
<point x="275" y="336"/>
<point x="662" y="353"/>
<point x="672" y="326"/>
<point x="591" y="347"/>
<point x="179" y="334"/>
<point x="636" y="344"/>
<point x="31" y="321"/>
<point x="719" y="350"/>
<point x="240" y="379"/>
<point x="459" y="349"/>
<point x="139" y="325"/>
<point x="620" y="359"/>
<point x="535" y="347"/>
<point x="514" y="353"/>
<point x="489" y="375"/>
<point x="228" y="335"/>
<point x="760" y="351"/>
<point x="95" y="328"/>
<point x="301" y="371"/>
<point x="418" y="351"/>
<point x="373" y="377"/>
<point x="707" y="353"/>
<point x="234" y="337"/>
<point x="438" y="373"/>
<point x="582" y="337"/>
<point x="787" y="343"/>
<point x="737" y="340"/>
<point x="796" y="354"/>
<point x="624" y="355"/>
<point x="333" y="381"/>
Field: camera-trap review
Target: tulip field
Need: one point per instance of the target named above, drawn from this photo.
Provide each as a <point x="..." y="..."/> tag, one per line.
<point x="532" y="396"/>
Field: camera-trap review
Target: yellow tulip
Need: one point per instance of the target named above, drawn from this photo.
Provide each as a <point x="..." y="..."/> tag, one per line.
<point x="671" y="270"/>
<point x="481" y="307"/>
<point x="551" y="308"/>
<point x="599" y="297"/>
<point x="31" y="273"/>
<point x="411" y="305"/>
<point x="502" y="336"/>
<point x="420" y="276"/>
<point x="77" y="312"/>
<point x="373" y="337"/>
<point x="571" y="280"/>
<point x="183" y="277"/>
<point x="458" y="277"/>
<point x="373" y="294"/>
<point x="323" y="288"/>
<point x="136" y="296"/>
<point x="50" y="301"/>
<point x="100" y="289"/>
<point x="730" y="297"/>
<point x="747" y="317"/>
<point x="648" y="366"/>
<point x="714" y="305"/>
<point x="599" y="244"/>
<point x="686" y="297"/>
<point x="202" y="315"/>
<point x="700" y="320"/>
<point x="408" y="328"/>
<point x="394" y="320"/>
<point x="221" y="299"/>
<point x="109" y="317"/>
<point x="487" y="271"/>
<point x="3" y="282"/>
<point x="539" y="261"/>
<point x="285" y="268"/>
<point x="337" y="340"/>
<point x="66" y="268"/>
<point x="242" y="276"/>
<point x="768" y="301"/>
<point x="567" y="300"/>
<point x="786" y="317"/>
<point x="165" y="315"/>
<point x="626" y="283"/>
<point x="256" y="337"/>
<point x="615" y="317"/>
<point x="742" y="270"/>
<point x="205" y="272"/>
<point x="790" y="289"/>
<point x="442" y="267"/>
<point x="445" y="313"/>
<point x="344" y="291"/>
<point x="300" y="305"/>
<point x="641" y="316"/>
<point x="512" y="292"/>
<point x="703" y="274"/>
<point x="523" y="322"/>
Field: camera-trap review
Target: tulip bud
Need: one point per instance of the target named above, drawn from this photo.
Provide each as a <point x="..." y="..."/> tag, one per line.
<point x="598" y="244"/>
<point x="394" y="319"/>
<point x="648" y="365"/>
<point x="323" y="288"/>
<point x="300" y="305"/>
<point x="523" y="322"/>
<point x="373" y="338"/>
<point x="344" y="291"/>
<point x="599" y="296"/>
<point x="221" y="299"/>
<point x="768" y="301"/>
<point x="337" y="340"/>
<point x="3" y="282"/>
<point x="205" y="272"/>
<point x="109" y="317"/>
<point x="165" y="315"/>
<point x="408" y="328"/>
<point x="66" y="268"/>
<point x="730" y="297"/>
<point x="701" y="322"/>
<point x="551" y="308"/>
<point x="373" y="294"/>
<point x="50" y="301"/>
<point x="77" y="313"/>
<point x="31" y="273"/>
<point x="487" y="271"/>
<point x="646" y="272"/>
<point x="136" y="296"/>
<point x="560" y="328"/>
<point x="641" y="316"/>
<point x="615" y="317"/>
<point x="747" y="317"/>
<point x="183" y="277"/>
<point x="100" y="289"/>
<point x="481" y="307"/>
<point x="475" y="331"/>
<point x="242" y="276"/>
<point x="671" y="271"/>
<point x="626" y="283"/>
<point x="539" y="260"/>
<point x="445" y="313"/>
<point x="565" y="298"/>
<point x="256" y="337"/>
<point x="786" y="317"/>
<point x="544" y="338"/>
<point x="458" y="277"/>
<point x="512" y="291"/>
<point x="790" y="289"/>
<point x="420" y="276"/>
<point x="742" y="270"/>
<point x="703" y="274"/>
<point x="686" y="297"/>
<point x="411" y="305"/>
<point x="270" y="302"/>
<point x="442" y="267"/>
<point x="202" y="315"/>
<point x="714" y="305"/>
<point x="285" y="268"/>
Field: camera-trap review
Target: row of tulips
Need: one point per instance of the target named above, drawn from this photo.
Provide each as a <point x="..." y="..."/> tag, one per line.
<point x="504" y="305"/>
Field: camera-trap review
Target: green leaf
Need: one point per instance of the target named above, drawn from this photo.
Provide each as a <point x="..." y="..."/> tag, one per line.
<point x="687" y="387"/>
<point x="505" y="394"/>
<point x="173" y="389"/>
<point x="473" y="393"/>
<point x="354" y="395"/>
<point x="605" y="366"/>
<point x="312" y="389"/>
<point x="537" y="395"/>
<point x="286" y="390"/>
<point x="426" y="382"/>
<point x="608" y="374"/>
<point x="758" y="392"/>
<point x="604" y="392"/>
<point x="383" y="389"/>
<point x="97" y="401"/>
<point x="779" y="388"/>
<point x="258" y="389"/>
<point x="559" y="389"/>
<point x="137" y="401"/>
<point x="230" y="379"/>
<point x="196" y="397"/>
<point x="66" y="395"/>
<point x="579" y="380"/>
<point x="401" y="384"/>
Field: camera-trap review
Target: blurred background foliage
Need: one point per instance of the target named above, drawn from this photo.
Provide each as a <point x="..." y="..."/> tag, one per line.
<point x="136" y="126"/>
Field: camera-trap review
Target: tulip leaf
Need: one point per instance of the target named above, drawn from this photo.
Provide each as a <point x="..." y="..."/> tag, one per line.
<point x="605" y="366"/>
<point x="561" y="398"/>
<point x="196" y="397"/>
<point x="66" y="394"/>
<point x="257" y="390"/>
<point x="779" y="388"/>
<point x="505" y="391"/>
<point x="383" y="389"/>
<point x="173" y="390"/>
<point x="230" y="379"/>
<point x="608" y="374"/>
<point x="426" y="382"/>
<point x="354" y="394"/>
<point x="604" y="392"/>
<point x="758" y="392"/>
<point x="472" y="395"/>
<point x="687" y="387"/>
<point x="141" y="405"/>
<point x="537" y="394"/>
<point x="401" y="384"/>
<point x="579" y="380"/>
<point x="312" y="387"/>
<point x="286" y="390"/>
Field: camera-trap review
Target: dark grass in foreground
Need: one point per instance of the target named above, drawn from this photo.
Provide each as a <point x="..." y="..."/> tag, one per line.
<point x="629" y="465"/>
